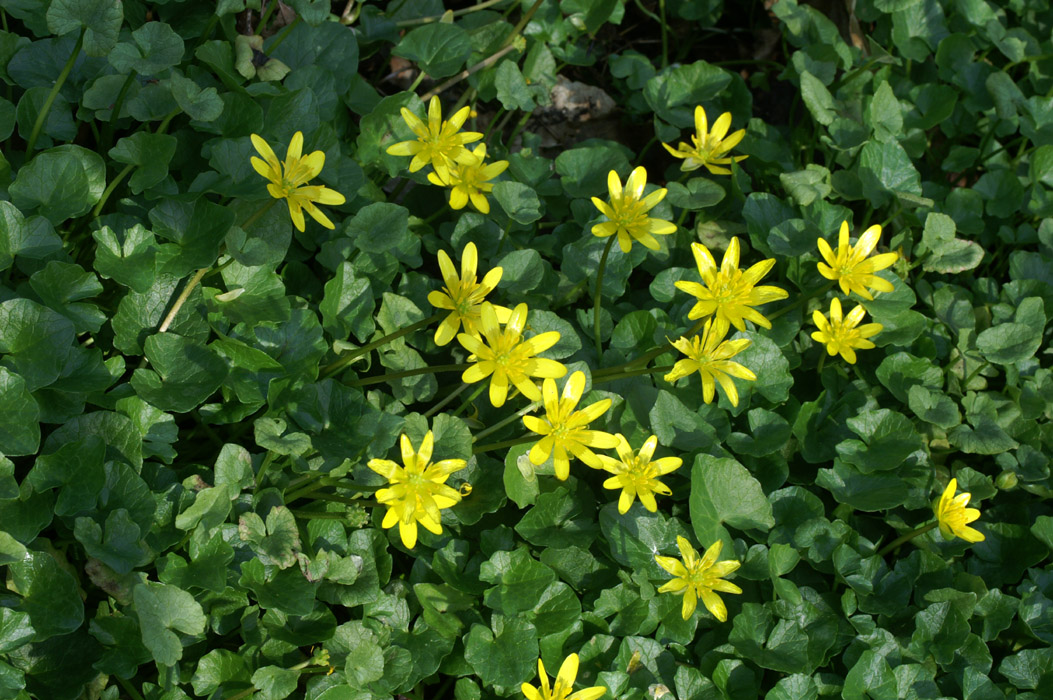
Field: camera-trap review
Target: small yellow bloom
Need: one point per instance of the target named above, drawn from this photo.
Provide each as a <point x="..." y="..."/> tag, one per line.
<point x="417" y="490"/>
<point x="565" y="429"/>
<point x="710" y="147"/>
<point x="727" y="291"/>
<point x="710" y="355"/>
<point x="464" y="295"/>
<point x="849" y="265"/>
<point x="636" y="474"/>
<point x="506" y="358"/>
<point x="841" y="335"/>
<point x="289" y="178"/>
<point x="562" y="689"/>
<point x="627" y="212"/>
<point x="954" y="517"/>
<point x="470" y="181"/>
<point x="438" y="142"/>
<point x="699" y="578"/>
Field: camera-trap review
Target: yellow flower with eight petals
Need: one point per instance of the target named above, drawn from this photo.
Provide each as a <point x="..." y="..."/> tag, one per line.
<point x="849" y="265"/>
<point x="440" y="143"/>
<point x="470" y="181"/>
<point x="565" y="429"/>
<point x="417" y="490"/>
<point x="636" y="474"/>
<point x="727" y="291"/>
<point x="954" y="518"/>
<point x="710" y="147"/>
<point x="627" y="212"/>
<point x="463" y="295"/>
<point x="564" y="685"/>
<point x="844" y="335"/>
<point x="699" y="578"/>
<point x="289" y="178"/>
<point x="506" y="358"/>
<point x="710" y="355"/>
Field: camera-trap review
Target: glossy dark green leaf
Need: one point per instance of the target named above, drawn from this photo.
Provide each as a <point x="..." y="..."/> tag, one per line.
<point x="19" y="429"/>
<point x="184" y="373"/>
<point x="35" y="341"/>
<point x="48" y="595"/>
<point x="439" y="49"/>
<point x="60" y="183"/>
<point x="100" y="21"/>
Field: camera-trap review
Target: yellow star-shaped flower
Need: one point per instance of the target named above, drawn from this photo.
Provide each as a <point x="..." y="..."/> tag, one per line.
<point x="699" y="578"/>
<point x="439" y="143"/>
<point x="463" y="296"/>
<point x="710" y="355"/>
<point x="636" y="474"/>
<point x="627" y="212"/>
<point x="851" y="267"/>
<point x="470" y="181"/>
<point x="709" y="148"/>
<point x="289" y="178"/>
<point x="954" y="517"/>
<point x="844" y="335"/>
<point x="563" y="689"/>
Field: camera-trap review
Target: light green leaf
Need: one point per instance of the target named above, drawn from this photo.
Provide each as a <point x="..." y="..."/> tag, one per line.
<point x="724" y="492"/>
<point x="161" y="609"/>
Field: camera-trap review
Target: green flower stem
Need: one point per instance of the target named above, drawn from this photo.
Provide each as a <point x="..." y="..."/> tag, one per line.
<point x="505" y="443"/>
<point x="129" y="688"/>
<point x="320" y="515"/>
<point x="467" y="402"/>
<point x="421" y="75"/>
<point x="504" y="237"/>
<point x="331" y="369"/>
<point x="366" y="381"/>
<point x="196" y="279"/>
<point x="822" y="361"/>
<point x="505" y="421"/>
<point x="115" y="113"/>
<point x="648" y="356"/>
<point x="344" y="499"/>
<point x="801" y="300"/>
<point x="665" y="34"/>
<point x="631" y="373"/>
<point x="902" y="539"/>
<point x="598" y="298"/>
<point x="446" y="399"/>
<point x="266" y="17"/>
<point x="455" y="13"/>
<point x="128" y="168"/>
<point x="42" y="117"/>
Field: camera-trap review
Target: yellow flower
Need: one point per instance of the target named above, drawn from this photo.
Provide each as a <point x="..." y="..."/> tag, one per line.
<point x="288" y="180"/>
<point x="506" y="358"/>
<point x="699" y="578"/>
<point x="469" y="181"/>
<point x="637" y="474"/>
<point x="710" y="355"/>
<point x="841" y="335"/>
<point x="627" y="212"/>
<point x="850" y="267"/>
<point x="727" y="291"/>
<point x="710" y="147"/>
<point x="566" y="430"/>
<point x="563" y="686"/>
<point x="954" y="517"/>
<point x="438" y="142"/>
<point x="417" y="490"/>
<point x="463" y="295"/>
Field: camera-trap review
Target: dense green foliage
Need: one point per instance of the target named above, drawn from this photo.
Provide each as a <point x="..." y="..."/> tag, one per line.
<point x="186" y="506"/>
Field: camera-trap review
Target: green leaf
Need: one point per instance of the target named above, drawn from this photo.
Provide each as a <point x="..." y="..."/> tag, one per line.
<point x="116" y="543"/>
<point x="19" y="429"/>
<point x="61" y="285"/>
<point x="197" y="227"/>
<point x="885" y="169"/>
<point x="156" y="48"/>
<point x="217" y="667"/>
<point x="161" y="609"/>
<point x="61" y="183"/>
<point x="512" y="89"/>
<point x="200" y="104"/>
<point x="522" y="271"/>
<point x="440" y="604"/>
<point x="49" y="595"/>
<point x="127" y="257"/>
<point x="901" y="371"/>
<point x="519" y="581"/>
<point x="637" y="535"/>
<point x="275" y="543"/>
<point x="867" y="492"/>
<point x="933" y="407"/>
<point x="557" y="520"/>
<point x="889" y="439"/>
<point x="151" y="153"/>
<point x="808" y="185"/>
<point x="35" y="340"/>
<point x="439" y="49"/>
<point x="696" y="193"/>
<point x="583" y="171"/>
<point x="348" y="305"/>
<point x="100" y="19"/>
<point x="504" y="655"/>
<point x="885" y="116"/>
<point x="764" y="358"/>
<point x="76" y="467"/>
<point x="947" y="254"/>
<point x="16" y="629"/>
<point x="379" y="227"/>
<point x="519" y="201"/>
<point x="674" y="92"/>
<point x="818" y="99"/>
<point x="184" y="373"/>
<point x="724" y="492"/>
<point x="275" y="682"/>
<point x="1009" y="343"/>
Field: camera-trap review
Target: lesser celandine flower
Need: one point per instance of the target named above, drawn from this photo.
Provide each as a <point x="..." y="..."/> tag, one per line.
<point x="709" y="148"/>
<point x="440" y="143"/>
<point x="844" y="335"/>
<point x="699" y="578"/>
<point x="417" y="490"/>
<point x="954" y="517"/>
<point x="470" y="181"/>
<point x="627" y="212"/>
<point x="289" y="178"/>
<point x="636" y="473"/>
<point x="563" y="689"/>
<point x="850" y="265"/>
<point x="710" y="355"/>
<point x="464" y="295"/>
<point x="506" y="358"/>
<point x="565" y="429"/>
<point x="728" y="292"/>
